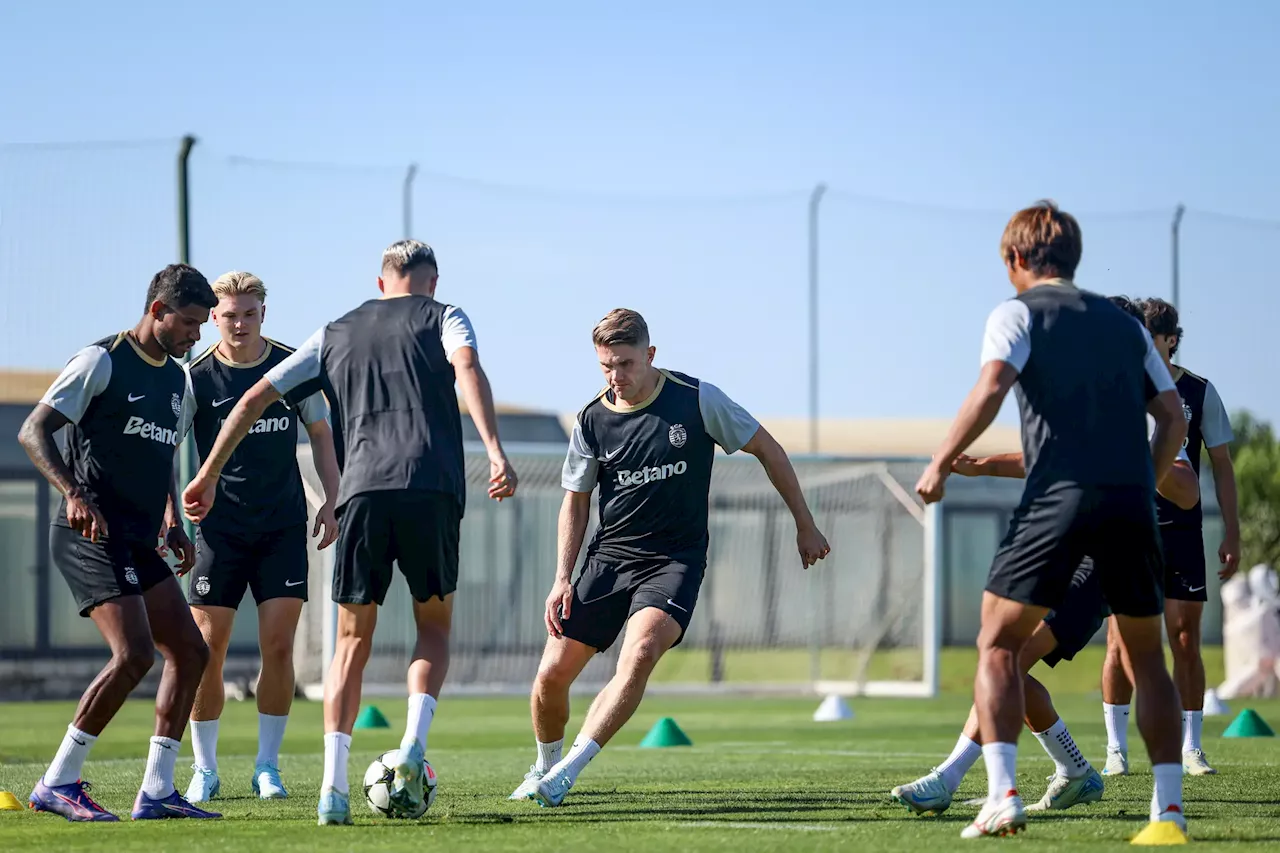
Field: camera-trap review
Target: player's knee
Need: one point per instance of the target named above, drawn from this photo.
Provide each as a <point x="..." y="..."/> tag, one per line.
<point x="641" y="656"/>
<point x="276" y="649"/>
<point x="553" y="677"/>
<point x="136" y="660"/>
<point x="1184" y="640"/>
<point x="194" y="657"/>
<point x="353" y="648"/>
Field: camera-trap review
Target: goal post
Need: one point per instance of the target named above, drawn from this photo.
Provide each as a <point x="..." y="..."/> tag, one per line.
<point x="864" y="621"/>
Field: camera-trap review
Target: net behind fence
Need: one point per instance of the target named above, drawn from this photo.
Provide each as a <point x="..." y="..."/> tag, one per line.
<point x="863" y="620"/>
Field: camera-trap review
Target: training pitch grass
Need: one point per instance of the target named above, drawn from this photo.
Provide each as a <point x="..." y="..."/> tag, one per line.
<point x="760" y="776"/>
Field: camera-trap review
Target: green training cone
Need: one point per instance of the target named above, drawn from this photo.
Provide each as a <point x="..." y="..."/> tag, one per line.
<point x="371" y="718"/>
<point x="1248" y="724"/>
<point x="665" y="732"/>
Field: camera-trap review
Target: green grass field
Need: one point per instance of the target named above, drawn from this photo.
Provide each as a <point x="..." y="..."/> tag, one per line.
<point x="760" y="776"/>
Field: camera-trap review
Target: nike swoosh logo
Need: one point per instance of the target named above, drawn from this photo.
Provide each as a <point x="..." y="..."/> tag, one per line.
<point x="217" y="403"/>
<point x="80" y="810"/>
<point x="609" y="456"/>
<point x="1194" y="588"/>
<point x="293" y="583"/>
<point x="677" y="606"/>
<point x="77" y="740"/>
<point x="133" y="399"/>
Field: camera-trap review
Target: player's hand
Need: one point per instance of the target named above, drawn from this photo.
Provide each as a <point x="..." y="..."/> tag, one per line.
<point x="177" y="541"/>
<point x="812" y="545"/>
<point x="197" y="497"/>
<point x="966" y="466"/>
<point x="933" y="483"/>
<point x="1229" y="556"/>
<point x="327" y="519"/>
<point x="85" y="518"/>
<point x="502" y="477"/>
<point x="559" y="603"/>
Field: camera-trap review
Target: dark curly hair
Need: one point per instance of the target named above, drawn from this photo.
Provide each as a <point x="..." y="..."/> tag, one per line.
<point x="1132" y="307"/>
<point x="1162" y="319"/>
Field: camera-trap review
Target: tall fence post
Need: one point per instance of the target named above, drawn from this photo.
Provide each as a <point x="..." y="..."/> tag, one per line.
<point x="407" y="200"/>
<point x="1177" y="258"/>
<point x="187" y="455"/>
<point x="814" y="201"/>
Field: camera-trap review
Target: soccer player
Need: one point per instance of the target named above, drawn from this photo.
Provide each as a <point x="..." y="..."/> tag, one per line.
<point x="388" y="370"/>
<point x="1060" y="636"/>
<point x="127" y="406"/>
<point x="648" y="442"/>
<point x="256" y="538"/>
<point x="1183" y="538"/>
<point x="1086" y="377"/>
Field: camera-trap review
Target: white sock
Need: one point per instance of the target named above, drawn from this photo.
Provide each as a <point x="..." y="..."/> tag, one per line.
<point x="69" y="760"/>
<point x="1066" y="756"/>
<point x="580" y="754"/>
<point x="337" y="747"/>
<point x="964" y="755"/>
<point x="548" y="755"/>
<point x="1166" y="799"/>
<point x="157" y="783"/>
<point x="1001" y="760"/>
<point x="204" y="742"/>
<point x="422" y="710"/>
<point x="1117" y="719"/>
<point x="270" y="736"/>
<point x="1192" y="723"/>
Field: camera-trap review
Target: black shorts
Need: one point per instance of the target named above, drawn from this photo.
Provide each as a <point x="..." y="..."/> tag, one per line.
<point x="1185" y="576"/>
<point x="110" y="568"/>
<point x="417" y="530"/>
<point x="607" y="592"/>
<point x="1052" y="531"/>
<point x="1082" y="613"/>
<point x="272" y="565"/>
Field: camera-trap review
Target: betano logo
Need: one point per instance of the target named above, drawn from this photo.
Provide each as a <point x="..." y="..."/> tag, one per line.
<point x="137" y="426"/>
<point x="651" y="475"/>
<point x="262" y="425"/>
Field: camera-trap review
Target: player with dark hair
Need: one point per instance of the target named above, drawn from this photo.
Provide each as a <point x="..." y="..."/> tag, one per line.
<point x="647" y="441"/>
<point x="388" y="369"/>
<point x="1087" y="376"/>
<point x="126" y="404"/>
<point x="1185" y="579"/>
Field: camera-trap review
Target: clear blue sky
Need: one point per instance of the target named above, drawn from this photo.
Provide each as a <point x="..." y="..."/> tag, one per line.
<point x="576" y="157"/>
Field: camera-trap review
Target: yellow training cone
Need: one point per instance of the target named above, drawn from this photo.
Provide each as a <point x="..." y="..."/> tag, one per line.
<point x="9" y="803"/>
<point x="1161" y="832"/>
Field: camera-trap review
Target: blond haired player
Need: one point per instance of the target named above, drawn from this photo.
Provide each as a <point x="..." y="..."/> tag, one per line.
<point x="256" y="537"/>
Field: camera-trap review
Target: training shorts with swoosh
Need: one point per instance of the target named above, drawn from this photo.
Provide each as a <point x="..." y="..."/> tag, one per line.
<point x="609" y="591"/>
<point x="1185" y="574"/>
<point x="271" y="564"/>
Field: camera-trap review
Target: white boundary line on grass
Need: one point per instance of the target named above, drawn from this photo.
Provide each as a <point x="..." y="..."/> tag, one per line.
<point x="743" y="824"/>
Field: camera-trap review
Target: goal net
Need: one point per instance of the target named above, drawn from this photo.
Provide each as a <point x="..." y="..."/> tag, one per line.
<point x="864" y="621"/>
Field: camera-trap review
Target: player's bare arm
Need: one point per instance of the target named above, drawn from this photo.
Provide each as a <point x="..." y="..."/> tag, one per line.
<point x="197" y="498"/>
<point x="810" y="542"/>
<point x="479" y="399"/>
<point x="1224" y="484"/>
<point x="977" y="413"/>
<point x="1170" y="431"/>
<point x="1180" y="485"/>
<point x="36" y="437"/>
<point x="571" y="530"/>
<point x="325" y="459"/>
<point x="172" y="533"/>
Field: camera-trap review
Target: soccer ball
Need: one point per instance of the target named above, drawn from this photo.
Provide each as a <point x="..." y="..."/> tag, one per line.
<point x="377" y="786"/>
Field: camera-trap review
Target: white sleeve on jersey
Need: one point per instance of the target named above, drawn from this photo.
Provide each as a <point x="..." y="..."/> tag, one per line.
<point x="85" y="377"/>
<point x="1151" y="432"/>
<point x="188" y="415"/>
<point x="313" y="409"/>
<point x="302" y="366"/>
<point x="456" y="331"/>
<point x="728" y="424"/>
<point x="581" y="468"/>
<point x="1215" y="426"/>
<point x="1007" y="336"/>
<point x="1159" y="375"/>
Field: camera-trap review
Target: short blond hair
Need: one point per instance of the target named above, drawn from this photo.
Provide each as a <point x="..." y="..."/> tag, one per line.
<point x="621" y="326"/>
<point x="236" y="283"/>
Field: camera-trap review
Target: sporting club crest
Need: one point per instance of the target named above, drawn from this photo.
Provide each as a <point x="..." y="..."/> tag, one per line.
<point x="176" y="403"/>
<point x="202" y="586"/>
<point x="677" y="435"/>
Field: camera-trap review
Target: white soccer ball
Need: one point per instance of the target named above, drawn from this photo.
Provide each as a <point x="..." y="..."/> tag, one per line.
<point x="377" y="786"/>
